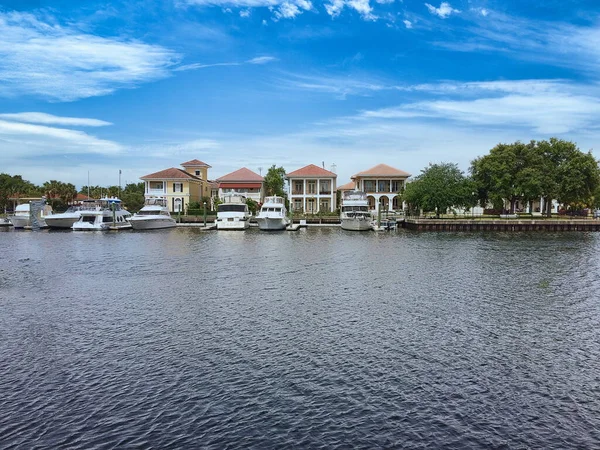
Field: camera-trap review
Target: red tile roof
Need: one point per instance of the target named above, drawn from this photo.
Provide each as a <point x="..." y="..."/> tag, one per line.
<point x="242" y="174"/>
<point x="311" y="171"/>
<point x="347" y="187"/>
<point x="194" y="163"/>
<point x="170" y="174"/>
<point x="382" y="170"/>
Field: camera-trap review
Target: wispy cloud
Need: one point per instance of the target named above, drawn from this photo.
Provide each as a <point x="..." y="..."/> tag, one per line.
<point x="60" y="63"/>
<point x="49" y="119"/>
<point x="554" y="43"/>
<point x="339" y="86"/>
<point x="26" y="140"/>
<point x="408" y="24"/>
<point x="259" y="60"/>
<point x="541" y="106"/>
<point x="444" y="10"/>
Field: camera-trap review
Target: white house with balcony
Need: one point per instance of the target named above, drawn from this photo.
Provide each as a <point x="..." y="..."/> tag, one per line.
<point x="382" y="184"/>
<point x="312" y="189"/>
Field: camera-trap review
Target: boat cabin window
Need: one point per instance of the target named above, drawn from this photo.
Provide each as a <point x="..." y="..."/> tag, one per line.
<point x="106" y="219"/>
<point x="88" y="219"/>
<point x="232" y="208"/>
<point x="355" y="208"/>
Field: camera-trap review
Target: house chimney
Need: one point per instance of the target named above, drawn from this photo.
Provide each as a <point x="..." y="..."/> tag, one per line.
<point x="323" y="164"/>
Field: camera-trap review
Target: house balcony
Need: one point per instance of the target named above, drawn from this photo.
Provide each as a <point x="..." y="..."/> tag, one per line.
<point x="324" y="192"/>
<point x="157" y="192"/>
<point x="297" y="192"/>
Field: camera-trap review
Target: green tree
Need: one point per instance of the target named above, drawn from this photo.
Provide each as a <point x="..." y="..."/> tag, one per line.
<point x="133" y="196"/>
<point x="274" y="181"/>
<point x="439" y="187"/>
<point x="252" y="206"/>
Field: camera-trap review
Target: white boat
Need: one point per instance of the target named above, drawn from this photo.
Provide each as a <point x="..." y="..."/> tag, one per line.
<point x="233" y="213"/>
<point x="273" y="214"/>
<point x="153" y="216"/>
<point x="66" y="219"/>
<point x="23" y="217"/>
<point x="106" y="215"/>
<point x="355" y="215"/>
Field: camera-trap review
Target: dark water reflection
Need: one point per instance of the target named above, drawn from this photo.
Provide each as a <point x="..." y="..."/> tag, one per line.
<point x="316" y="339"/>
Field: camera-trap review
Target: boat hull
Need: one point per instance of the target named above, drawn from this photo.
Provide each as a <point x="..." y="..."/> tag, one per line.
<point x="158" y="223"/>
<point x="226" y="224"/>
<point x="61" y="222"/>
<point x="25" y="222"/>
<point x="353" y="224"/>
<point x="272" y="223"/>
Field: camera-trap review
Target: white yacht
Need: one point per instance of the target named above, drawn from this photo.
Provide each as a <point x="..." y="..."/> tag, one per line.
<point x="355" y="215"/>
<point x="106" y="215"/>
<point x="273" y="214"/>
<point x="66" y="219"/>
<point x="233" y="213"/>
<point x="153" y="216"/>
<point x="23" y="217"/>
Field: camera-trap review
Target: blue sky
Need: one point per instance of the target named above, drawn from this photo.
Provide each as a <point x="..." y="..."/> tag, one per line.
<point x="143" y="86"/>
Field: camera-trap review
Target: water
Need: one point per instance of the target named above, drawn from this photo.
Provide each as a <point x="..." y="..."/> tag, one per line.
<point x="315" y="339"/>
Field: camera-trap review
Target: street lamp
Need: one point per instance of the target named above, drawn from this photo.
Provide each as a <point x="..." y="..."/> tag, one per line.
<point x="204" y="214"/>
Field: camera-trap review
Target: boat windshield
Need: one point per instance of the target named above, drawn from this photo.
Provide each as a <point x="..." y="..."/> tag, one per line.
<point x="148" y="213"/>
<point x="355" y="208"/>
<point x="232" y="208"/>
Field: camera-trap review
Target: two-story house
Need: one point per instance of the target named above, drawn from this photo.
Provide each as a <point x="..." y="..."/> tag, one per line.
<point x="312" y="189"/>
<point x="243" y="181"/>
<point x="382" y="184"/>
<point x="179" y="186"/>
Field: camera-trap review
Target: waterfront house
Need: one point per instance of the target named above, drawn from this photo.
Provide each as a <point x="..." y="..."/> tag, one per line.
<point x="312" y="189"/>
<point x="179" y="186"/>
<point x="242" y="181"/>
<point x="382" y="184"/>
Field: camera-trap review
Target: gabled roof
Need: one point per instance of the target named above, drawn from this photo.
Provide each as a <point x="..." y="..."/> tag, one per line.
<point x="242" y="174"/>
<point x="311" y="171"/>
<point x="194" y="163"/>
<point x="382" y="170"/>
<point x="347" y="187"/>
<point x="170" y="174"/>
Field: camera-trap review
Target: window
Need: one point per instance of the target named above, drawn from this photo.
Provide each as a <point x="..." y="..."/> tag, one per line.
<point x="177" y="205"/>
<point x="177" y="187"/>
<point x="383" y="186"/>
<point x="324" y="205"/>
<point x="325" y="187"/>
<point x="297" y="204"/>
<point x="197" y="173"/>
<point x="312" y="186"/>
<point x="310" y="206"/>
<point x="369" y="186"/>
<point x="156" y="185"/>
<point x="298" y="187"/>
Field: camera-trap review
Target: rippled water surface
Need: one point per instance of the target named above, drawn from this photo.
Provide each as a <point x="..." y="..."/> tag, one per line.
<point x="316" y="339"/>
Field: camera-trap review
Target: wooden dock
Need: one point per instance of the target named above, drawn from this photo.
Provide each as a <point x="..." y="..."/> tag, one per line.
<point x="501" y="225"/>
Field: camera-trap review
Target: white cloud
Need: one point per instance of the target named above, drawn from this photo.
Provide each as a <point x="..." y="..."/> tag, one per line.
<point x="363" y="7"/>
<point x="261" y="60"/>
<point x="484" y="12"/>
<point x="255" y="61"/>
<point x="24" y="140"/>
<point x="49" y="119"/>
<point x="339" y="86"/>
<point x="408" y="24"/>
<point x="541" y="106"/>
<point x="443" y="11"/>
<point x="64" y="64"/>
<point x="245" y="13"/>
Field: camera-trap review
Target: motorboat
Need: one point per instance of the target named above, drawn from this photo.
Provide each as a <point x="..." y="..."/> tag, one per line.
<point x="108" y="214"/>
<point x="273" y="214"/>
<point x="233" y="213"/>
<point x="65" y="220"/>
<point x="31" y="214"/>
<point x="153" y="216"/>
<point x="355" y="215"/>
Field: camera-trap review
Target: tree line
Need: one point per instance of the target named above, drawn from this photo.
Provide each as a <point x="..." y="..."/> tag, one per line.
<point x="60" y="195"/>
<point x="510" y="173"/>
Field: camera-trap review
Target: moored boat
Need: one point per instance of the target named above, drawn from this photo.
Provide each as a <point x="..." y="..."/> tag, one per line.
<point x="233" y="213"/>
<point x="153" y="216"/>
<point x="108" y="214"/>
<point x="65" y="220"/>
<point x="355" y="215"/>
<point x="273" y="214"/>
<point x="30" y="214"/>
